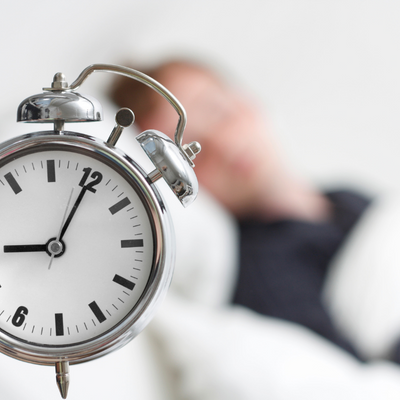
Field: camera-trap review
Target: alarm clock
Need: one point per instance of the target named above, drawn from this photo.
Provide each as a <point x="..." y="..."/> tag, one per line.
<point x="87" y="244"/>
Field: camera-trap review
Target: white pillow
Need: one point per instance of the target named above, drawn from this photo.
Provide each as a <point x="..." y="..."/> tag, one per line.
<point x="207" y="251"/>
<point x="363" y="287"/>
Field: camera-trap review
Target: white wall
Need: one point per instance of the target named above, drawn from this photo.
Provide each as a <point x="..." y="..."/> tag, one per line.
<point x="327" y="72"/>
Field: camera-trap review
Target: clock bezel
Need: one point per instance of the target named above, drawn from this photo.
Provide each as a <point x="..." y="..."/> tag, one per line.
<point x="163" y="260"/>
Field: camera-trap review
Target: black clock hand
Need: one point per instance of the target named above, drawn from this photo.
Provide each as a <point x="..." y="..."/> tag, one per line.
<point x="72" y="213"/>
<point x="61" y="227"/>
<point x="22" y="248"/>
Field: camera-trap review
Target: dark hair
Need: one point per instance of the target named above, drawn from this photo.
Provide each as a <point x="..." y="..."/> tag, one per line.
<point x="140" y="98"/>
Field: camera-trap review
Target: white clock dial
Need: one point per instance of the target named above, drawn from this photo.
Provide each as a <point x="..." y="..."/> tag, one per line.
<point x="78" y="249"/>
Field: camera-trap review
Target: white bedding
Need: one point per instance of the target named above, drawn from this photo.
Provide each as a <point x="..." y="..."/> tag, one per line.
<point x="362" y="291"/>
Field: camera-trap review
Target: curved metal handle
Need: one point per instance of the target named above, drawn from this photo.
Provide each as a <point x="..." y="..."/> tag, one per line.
<point x="139" y="76"/>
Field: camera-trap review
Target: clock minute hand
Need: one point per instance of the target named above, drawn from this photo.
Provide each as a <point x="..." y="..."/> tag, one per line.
<point x="72" y="213"/>
<point x="62" y="224"/>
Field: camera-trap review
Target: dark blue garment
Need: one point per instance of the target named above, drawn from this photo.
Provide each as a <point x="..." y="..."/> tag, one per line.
<point x="283" y="265"/>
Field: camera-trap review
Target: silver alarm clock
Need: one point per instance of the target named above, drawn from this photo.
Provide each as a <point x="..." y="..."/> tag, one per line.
<point x="87" y="245"/>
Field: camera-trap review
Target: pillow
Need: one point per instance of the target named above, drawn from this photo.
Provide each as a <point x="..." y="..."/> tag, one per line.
<point x="362" y="290"/>
<point x="207" y="250"/>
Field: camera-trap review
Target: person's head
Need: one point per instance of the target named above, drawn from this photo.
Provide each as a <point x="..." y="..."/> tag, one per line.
<point x="237" y="153"/>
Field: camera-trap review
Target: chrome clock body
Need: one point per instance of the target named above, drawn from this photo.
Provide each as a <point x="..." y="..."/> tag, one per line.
<point x="25" y="161"/>
<point x="86" y="242"/>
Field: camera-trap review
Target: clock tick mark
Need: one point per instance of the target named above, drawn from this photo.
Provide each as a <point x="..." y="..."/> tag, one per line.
<point x="108" y="182"/>
<point x="114" y="188"/>
<point x="33" y="329"/>
<point x="97" y="312"/>
<point x="131" y="243"/>
<point x="33" y="167"/>
<point x="120" y="194"/>
<point x="59" y="323"/>
<point x="119" y="205"/>
<point x="24" y="169"/>
<point x="120" y="280"/>
<point x="51" y="171"/>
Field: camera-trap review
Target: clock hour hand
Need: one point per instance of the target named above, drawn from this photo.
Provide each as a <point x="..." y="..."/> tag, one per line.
<point x="54" y="247"/>
<point x="23" y="248"/>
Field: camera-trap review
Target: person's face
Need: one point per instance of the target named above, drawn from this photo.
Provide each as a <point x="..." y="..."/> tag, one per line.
<point x="232" y="136"/>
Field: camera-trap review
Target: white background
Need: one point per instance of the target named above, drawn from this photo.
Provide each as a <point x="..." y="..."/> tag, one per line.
<point x="326" y="72"/>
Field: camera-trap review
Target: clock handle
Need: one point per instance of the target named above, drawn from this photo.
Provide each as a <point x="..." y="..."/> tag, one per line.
<point x="173" y="161"/>
<point x="187" y="150"/>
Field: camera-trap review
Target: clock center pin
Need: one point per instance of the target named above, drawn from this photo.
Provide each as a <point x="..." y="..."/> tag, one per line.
<point x="55" y="247"/>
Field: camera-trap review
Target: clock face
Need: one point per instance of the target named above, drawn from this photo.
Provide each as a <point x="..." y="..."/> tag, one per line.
<point x="76" y="246"/>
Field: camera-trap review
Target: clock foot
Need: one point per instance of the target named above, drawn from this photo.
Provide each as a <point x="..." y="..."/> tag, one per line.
<point x="62" y="377"/>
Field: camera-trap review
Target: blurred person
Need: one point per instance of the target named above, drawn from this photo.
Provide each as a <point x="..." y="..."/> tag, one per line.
<point x="289" y="231"/>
